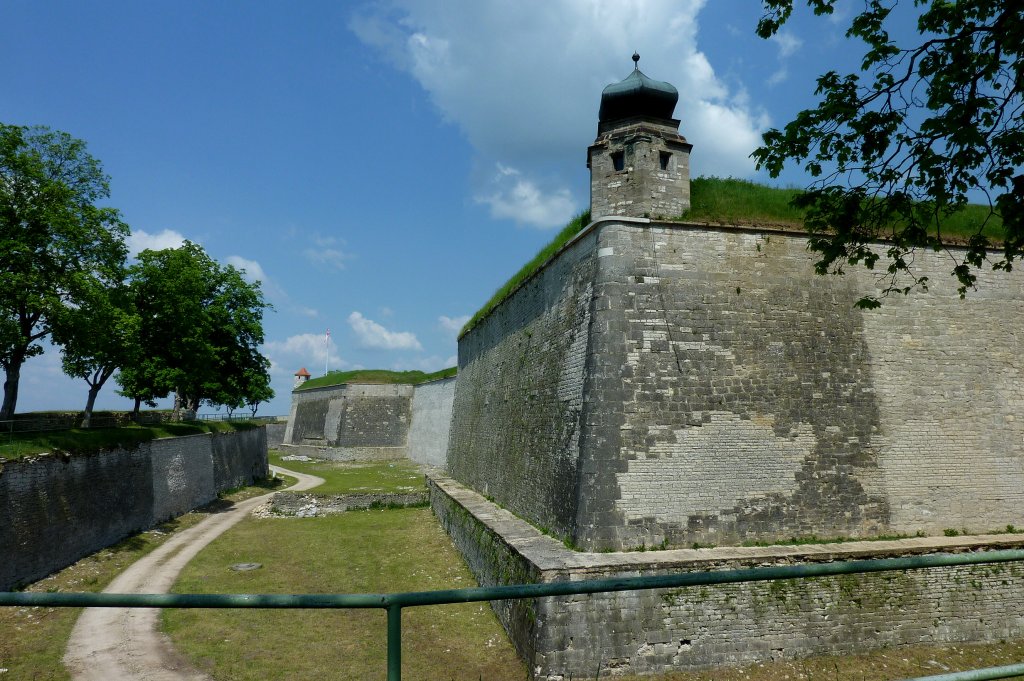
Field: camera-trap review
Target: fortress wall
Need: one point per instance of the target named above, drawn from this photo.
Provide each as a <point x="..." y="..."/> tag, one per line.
<point x="431" y="421"/>
<point x="519" y="398"/>
<point x="758" y="403"/>
<point x="371" y="416"/>
<point x="660" y="630"/>
<point x="57" y="509"/>
<point x="308" y="416"/>
<point x="239" y="458"/>
<point x="730" y="394"/>
<point x="182" y="476"/>
<point x="351" y="420"/>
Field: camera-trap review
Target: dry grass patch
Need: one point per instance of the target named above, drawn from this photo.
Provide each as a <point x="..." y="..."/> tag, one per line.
<point x="356" y="552"/>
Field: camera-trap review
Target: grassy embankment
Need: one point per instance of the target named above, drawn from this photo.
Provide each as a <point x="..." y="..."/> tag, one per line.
<point x="383" y="477"/>
<point x="376" y="376"/>
<point x="726" y="201"/>
<point x="32" y="640"/>
<point x="84" y="441"/>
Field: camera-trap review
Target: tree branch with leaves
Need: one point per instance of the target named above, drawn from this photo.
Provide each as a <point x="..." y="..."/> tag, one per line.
<point x="899" y="147"/>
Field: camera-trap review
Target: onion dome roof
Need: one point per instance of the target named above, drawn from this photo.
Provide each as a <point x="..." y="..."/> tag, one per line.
<point x="638" y="95"/>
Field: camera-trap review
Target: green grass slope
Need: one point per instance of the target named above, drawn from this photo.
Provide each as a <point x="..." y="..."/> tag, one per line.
<point x="726" y="201"/>
<point x="378" y="376"/>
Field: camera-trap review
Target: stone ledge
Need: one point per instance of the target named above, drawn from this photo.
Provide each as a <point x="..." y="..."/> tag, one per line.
<point x="550" y="555"/>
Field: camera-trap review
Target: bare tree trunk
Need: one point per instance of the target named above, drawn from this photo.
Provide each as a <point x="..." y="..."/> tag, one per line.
<point x="176" y="413"/>
<point x="135" y="410"/>
<point x="11" y="381"/>
<point x="94" y="390"/>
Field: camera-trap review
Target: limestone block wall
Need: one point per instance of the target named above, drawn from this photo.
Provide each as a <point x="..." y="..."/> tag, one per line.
<point x="518" y="406"/>
<point x="351" y="417"/>
<point x="658" y="630"/>
<point x="431" y="421"/>
<point x="57" y="509"/>
<point x="730" y="394"/>
<point x="240" y="458"/>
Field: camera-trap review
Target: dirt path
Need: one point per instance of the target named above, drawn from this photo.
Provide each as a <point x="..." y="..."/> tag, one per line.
<point x="125" y="644"/>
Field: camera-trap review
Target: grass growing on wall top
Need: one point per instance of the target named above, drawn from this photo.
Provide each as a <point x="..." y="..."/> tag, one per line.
<point x="376" y="376"/>
<point x="574" y="227"/>
<point x="85" y="441"/>
<point x="728" y="201"/>
<point x="732" y="201"/>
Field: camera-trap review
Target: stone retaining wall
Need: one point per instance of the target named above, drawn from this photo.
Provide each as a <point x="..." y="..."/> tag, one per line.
<point x="57" y="509"/>
<point x="308" y="505"/>
<point x="647" y="631"/>
<point x="679" y="383"/>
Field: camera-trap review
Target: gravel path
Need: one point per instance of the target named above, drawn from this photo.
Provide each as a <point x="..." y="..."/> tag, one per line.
<point x="125" y="644"/>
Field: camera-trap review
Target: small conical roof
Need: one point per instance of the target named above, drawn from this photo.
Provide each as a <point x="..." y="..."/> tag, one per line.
<point x="638" y="95"/>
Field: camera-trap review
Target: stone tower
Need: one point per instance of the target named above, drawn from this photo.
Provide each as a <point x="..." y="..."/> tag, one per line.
<point x="639" y="163"/>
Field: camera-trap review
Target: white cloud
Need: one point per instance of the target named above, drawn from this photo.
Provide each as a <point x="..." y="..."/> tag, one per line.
<point x="788" y="43"/>
<point x="516" y="198"/>
<point x="139" y="240"/>
<point x="310" y="350"/>
<point x="523" y="80"/>
<point x="373" y="335"/>
<point x="253" y="272"/>
<point x="427" y="364"/>
<point x="327" y="251"/>
<point x="778" y="76"/>
<point x="453" y="324"/>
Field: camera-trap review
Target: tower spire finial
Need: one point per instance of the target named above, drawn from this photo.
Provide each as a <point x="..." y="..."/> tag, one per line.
<point x="636" y="60"/>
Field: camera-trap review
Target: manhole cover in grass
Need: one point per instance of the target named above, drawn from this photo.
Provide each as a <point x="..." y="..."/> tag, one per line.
<point x="242" y="567"/>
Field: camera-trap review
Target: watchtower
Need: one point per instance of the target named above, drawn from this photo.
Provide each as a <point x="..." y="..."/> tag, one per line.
<point x="639" y="163"/>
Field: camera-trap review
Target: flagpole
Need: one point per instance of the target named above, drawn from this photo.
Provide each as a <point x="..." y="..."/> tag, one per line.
<point x="327" y="346"/>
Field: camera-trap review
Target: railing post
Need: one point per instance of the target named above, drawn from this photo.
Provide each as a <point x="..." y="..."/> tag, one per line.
<point x="394" y="643"/>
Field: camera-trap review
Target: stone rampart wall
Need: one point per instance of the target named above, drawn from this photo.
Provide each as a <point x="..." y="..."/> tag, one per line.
<point x="517" y="415"/>
<point x="57" y="509"/>
<point x="351" y="417"/>
<point x="646" y="631"/>
<point x="431" y="422"/>
<point x="678" y="383"/>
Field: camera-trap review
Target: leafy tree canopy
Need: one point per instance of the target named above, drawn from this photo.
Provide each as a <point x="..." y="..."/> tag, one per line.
<point x="899" y="146"/>
<point x="55" y="242"/>
<point x="200" y="325"/>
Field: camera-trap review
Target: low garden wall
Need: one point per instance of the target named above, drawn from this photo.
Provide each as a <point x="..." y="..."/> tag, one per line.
<point x="58" y="508"/>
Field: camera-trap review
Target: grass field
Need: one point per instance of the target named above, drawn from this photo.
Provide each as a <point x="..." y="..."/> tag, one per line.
<point x="355" y="552"/>
<point x="82" y="441"/>
<point x="32" y="640"/>
<point x="358" y="478"/>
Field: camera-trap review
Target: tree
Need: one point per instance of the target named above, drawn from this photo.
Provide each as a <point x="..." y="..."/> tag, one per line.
<point x="97" y="337"/>
<point x="201" y="325"/>
<point x="55" y="242"/>
<point x="895" y="150"/>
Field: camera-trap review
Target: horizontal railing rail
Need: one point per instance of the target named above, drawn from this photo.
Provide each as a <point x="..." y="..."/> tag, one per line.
<point x="393" y="603"/>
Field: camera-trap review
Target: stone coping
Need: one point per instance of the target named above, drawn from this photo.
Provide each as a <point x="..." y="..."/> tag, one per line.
<point x="551" y="556"/>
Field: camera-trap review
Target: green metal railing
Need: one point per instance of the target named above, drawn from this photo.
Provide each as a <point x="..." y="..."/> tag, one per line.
<point x="393" y="603"/>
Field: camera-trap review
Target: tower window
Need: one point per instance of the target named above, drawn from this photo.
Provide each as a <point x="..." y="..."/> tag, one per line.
<point x="619" y="160"/>
<point x="664" y="158"/>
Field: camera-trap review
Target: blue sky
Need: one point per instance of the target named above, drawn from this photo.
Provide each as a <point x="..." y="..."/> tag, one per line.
<point x="381" y="167"/>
